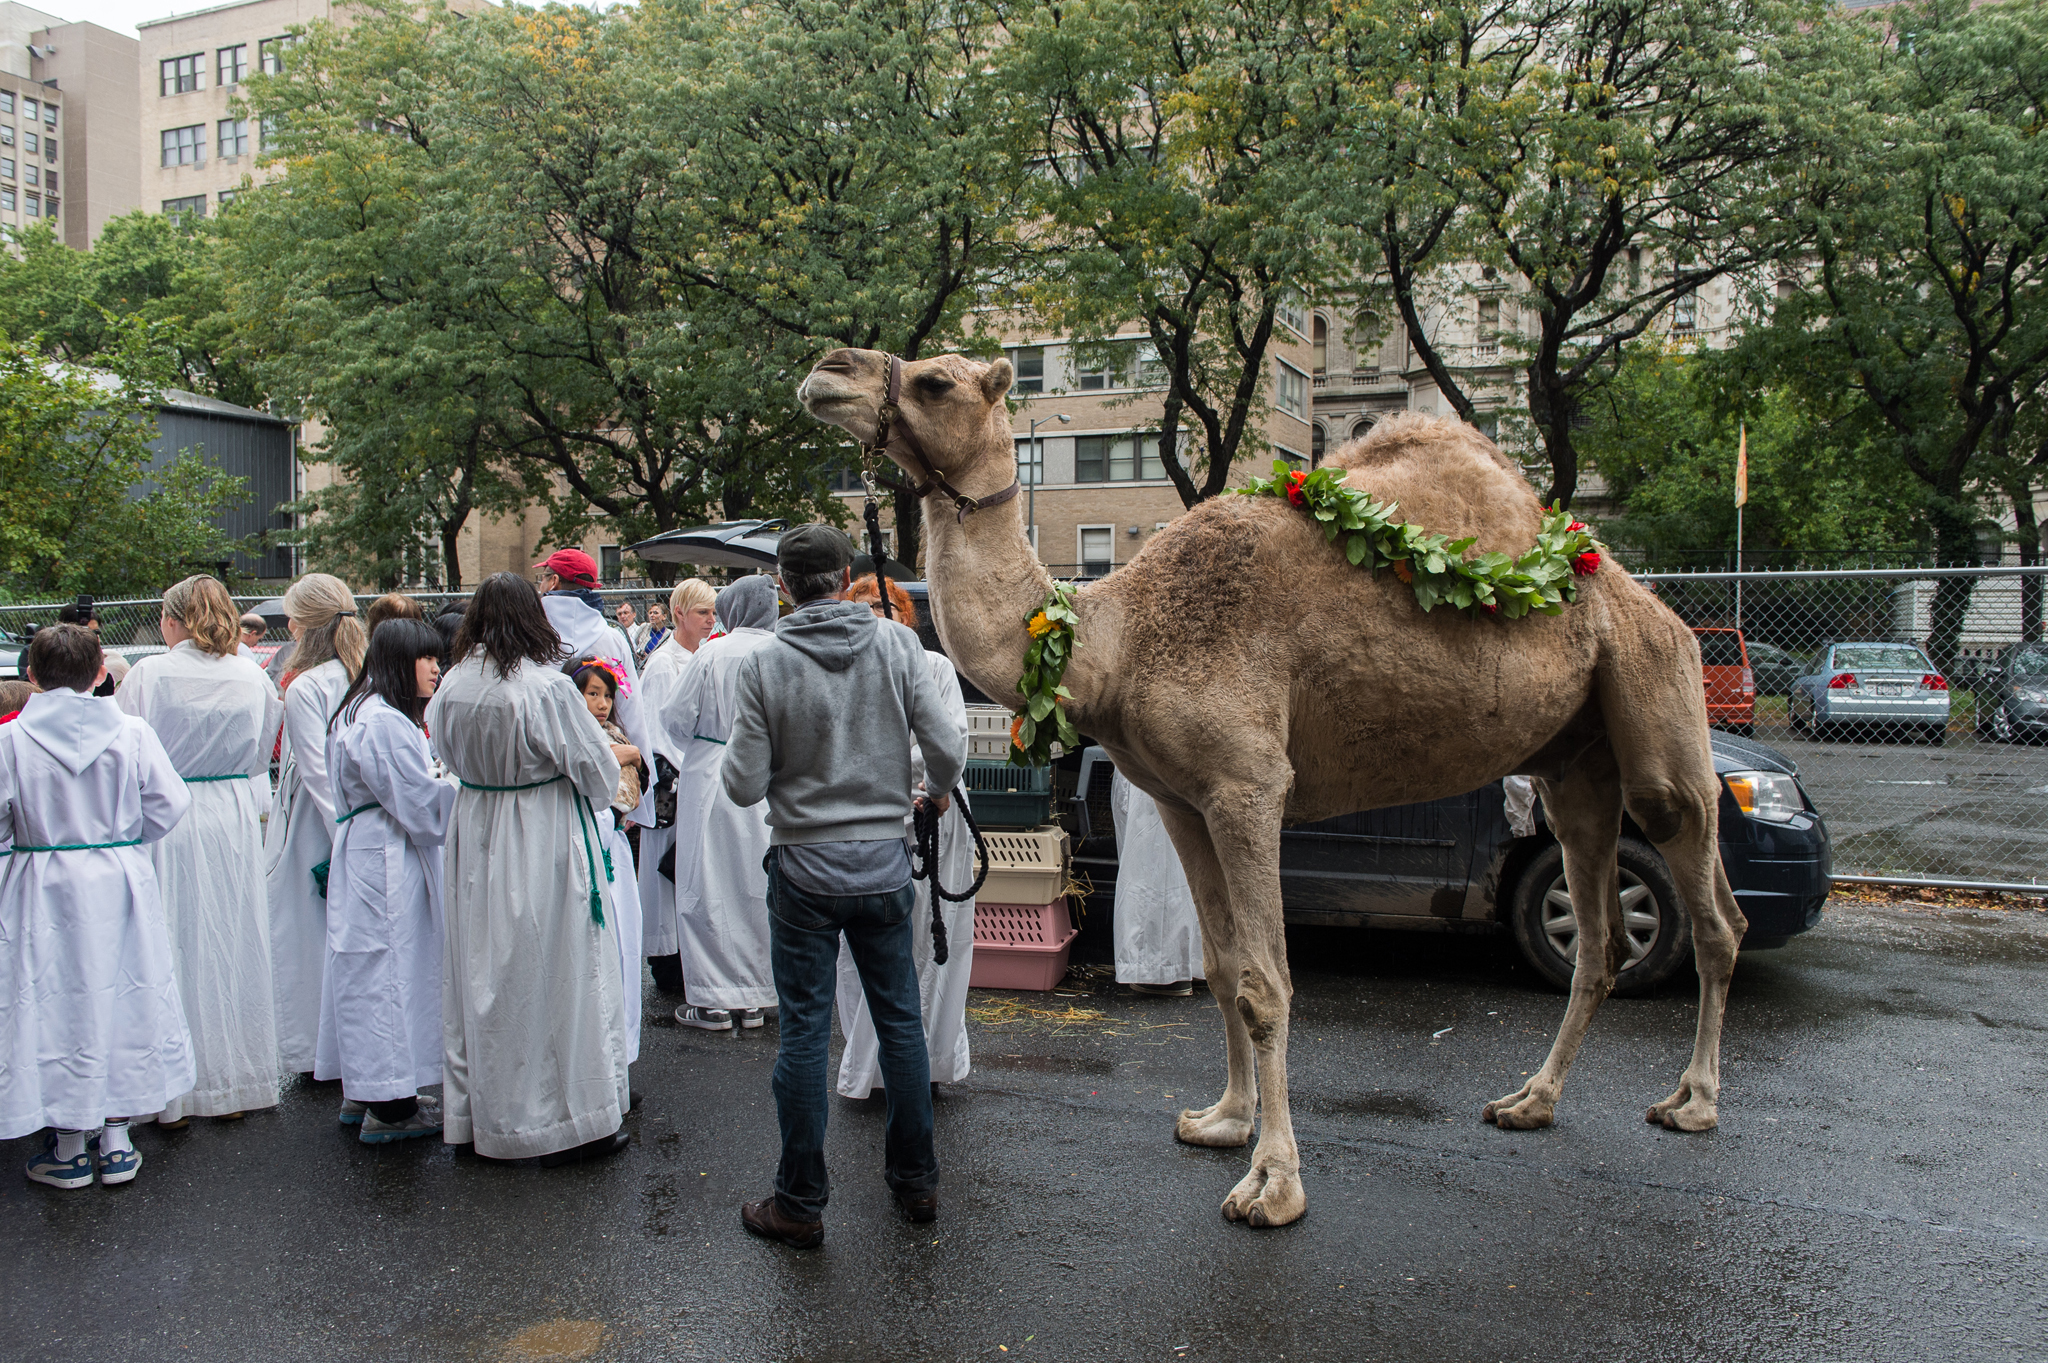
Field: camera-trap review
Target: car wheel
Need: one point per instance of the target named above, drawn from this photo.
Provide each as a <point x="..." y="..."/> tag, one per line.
<point x="2001" y="726"/>
<point x="1793" y="718"/>
<point x="1660" y="936"/>
<point x="1937" y="734"/>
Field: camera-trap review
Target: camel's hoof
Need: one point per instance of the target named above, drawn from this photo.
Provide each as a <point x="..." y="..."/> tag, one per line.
<point x="1207" y="1127"/>
<point x="1519" y="1112"/>
<point x="1265" y="1199"/>
<point x="1685" y="1111"/>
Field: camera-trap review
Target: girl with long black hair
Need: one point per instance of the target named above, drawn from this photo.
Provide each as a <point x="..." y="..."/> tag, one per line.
<point x="380" y="1013"/>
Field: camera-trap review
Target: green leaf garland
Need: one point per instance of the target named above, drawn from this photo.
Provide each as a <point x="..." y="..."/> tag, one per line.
<point x="1044" y="721"/>
<point x="1540" y="581"/>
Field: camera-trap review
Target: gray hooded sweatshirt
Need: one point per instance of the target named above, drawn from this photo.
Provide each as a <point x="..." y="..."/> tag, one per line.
<point x="826" y="717"/>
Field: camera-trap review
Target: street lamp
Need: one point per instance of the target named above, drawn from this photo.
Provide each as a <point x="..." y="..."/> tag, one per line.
<point x="1038" y="469"/>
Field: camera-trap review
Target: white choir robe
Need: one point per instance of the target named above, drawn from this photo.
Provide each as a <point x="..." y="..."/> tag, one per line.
<point x="380" y="1015"/>
<point x="722" y="893"/>
<point x="91" y="1023"/>
<point x="299" y="837"/>
<point x="941" y="989"/>
<point x="1158" y="934"/>
<point x="658" y="934"/>
<point x="533" y="1022"/>
<point x="216" y="717"/>
<point x="622" y="910"/>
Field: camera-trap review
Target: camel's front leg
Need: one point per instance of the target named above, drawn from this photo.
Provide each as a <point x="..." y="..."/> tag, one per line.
<point x="1244" y="829"/>
<point x="1693" y="854"/>
<point x="1228" y="1121"/>
<point x="1584" y="809"/>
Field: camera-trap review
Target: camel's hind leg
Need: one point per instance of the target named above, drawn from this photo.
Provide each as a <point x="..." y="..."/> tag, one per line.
<point x="1584" y="810"/>
<point x="1227" y="1121"/>
<point x="1682" y="818"/>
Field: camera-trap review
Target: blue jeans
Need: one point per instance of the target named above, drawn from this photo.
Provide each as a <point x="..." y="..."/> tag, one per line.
<point x="803" y="947"/>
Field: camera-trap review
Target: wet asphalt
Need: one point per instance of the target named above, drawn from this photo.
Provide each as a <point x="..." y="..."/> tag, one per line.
<point x="1875" y="1191"/>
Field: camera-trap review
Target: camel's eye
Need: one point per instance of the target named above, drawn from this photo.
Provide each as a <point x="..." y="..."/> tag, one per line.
<point x="934" y="385"/>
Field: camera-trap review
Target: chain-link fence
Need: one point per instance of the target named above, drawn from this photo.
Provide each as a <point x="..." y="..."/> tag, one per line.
<point x="1913" y="702"/>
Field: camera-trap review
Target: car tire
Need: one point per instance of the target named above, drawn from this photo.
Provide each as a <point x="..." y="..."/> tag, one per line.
<point x="2001" y="726"/>
<point x="1539" y="914"/>
<point x="1937" y="734"/>
<point x="1792" y="717"/>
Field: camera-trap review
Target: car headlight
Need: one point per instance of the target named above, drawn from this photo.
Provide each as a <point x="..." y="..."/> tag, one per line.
<point x="1767" y="795"/>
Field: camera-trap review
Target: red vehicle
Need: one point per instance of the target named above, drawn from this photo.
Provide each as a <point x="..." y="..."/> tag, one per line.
<point x="1730" y="684"/>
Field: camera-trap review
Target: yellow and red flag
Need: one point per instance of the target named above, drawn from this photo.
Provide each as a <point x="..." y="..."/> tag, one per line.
<point x="1742" y="468"/>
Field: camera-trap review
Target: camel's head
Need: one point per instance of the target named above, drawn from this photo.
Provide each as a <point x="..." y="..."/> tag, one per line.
<point x="953" y="405"/>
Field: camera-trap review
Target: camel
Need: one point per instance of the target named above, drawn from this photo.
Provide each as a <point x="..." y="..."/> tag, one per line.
<point x="1244" y="675"/>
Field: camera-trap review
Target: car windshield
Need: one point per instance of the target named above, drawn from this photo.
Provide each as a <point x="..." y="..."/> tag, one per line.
<point x="1880" y="657"/>
<point x="1720" y="648"/>
<point x="2030" y="662"/>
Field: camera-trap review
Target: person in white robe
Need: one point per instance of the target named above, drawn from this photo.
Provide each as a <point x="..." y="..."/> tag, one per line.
<point x="941" y="989"/>
<point x="610" y="679"/>
<point x="721" y="886"/>
<point x="380" y="1017"/>
<point x="533" y="1021"/>
<point x="217" y="716"/>
<point x="327" y="652"/>
<point x="691" y="607"/>
<point x="92" y="1029"/>
<point x="1158" y="936"/>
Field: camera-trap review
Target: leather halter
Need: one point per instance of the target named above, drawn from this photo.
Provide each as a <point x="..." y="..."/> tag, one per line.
<point x="886" y="430"/>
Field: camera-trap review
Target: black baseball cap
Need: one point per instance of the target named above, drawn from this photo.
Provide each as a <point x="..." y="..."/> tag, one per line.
<point x="810" y="550"/>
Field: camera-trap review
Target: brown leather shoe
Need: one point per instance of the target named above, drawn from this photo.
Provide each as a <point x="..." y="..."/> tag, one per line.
<point x="919" y="1209"/>
<point x="765" y="1219"/>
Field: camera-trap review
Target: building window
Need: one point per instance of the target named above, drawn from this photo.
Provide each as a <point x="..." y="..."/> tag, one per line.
<point x="610" y="566"/>
<point x="1489" y="425"/>
<point x="227" y="196"/>
<point x="29" y="173"/>
<point x="843" y="477"/>
<point x="1098" y="368"/>
<point x="1318" y="444"/>
<point x="50" y="181"/>
<point x="6" y="101"/>
<point x="1359" y="428"/>
<point x="185" y="146"/>
<point x="266" y="132"/>
<point x="1031" y="461"/>
<point x="1685" y="313"/>
<point x="1098" y="550"/>
<point x="270" y="54"/>
<point x="1151" y="369"/>
<point x="194" y="205"/>
<point x="31" y="206"/>
<point x="1117" y="459"/>
<point x="29" y="109"/>
<point x="179" y="75"/>
<point x="49" y="208"/>
<point x="232" y="136"/>
<point x="232" y="63"/>
<point x="1290" y="389"/>
<point x="1027" y="364"/>
<point x="29" y="144"/>
<point x="7" y="200"/>
<point x="1489" y="328"/>
<point x="6" y="135"/>
<point x="1319" y="347"/>
<point x="49" y="149"/>
<point x="1292" y="314"/>
<point x="6" y="168"/>
<point x="1635" y="268"/>
<point x="49" y="115"/>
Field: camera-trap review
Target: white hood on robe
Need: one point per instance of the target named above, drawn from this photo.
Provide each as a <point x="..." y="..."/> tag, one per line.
<point x="71" y="726"/>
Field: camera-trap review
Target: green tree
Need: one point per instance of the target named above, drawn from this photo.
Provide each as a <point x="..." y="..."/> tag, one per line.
<point x="1164" y="164"/>
<point x="1928" y="289"/>
<point x="84" y="504"/>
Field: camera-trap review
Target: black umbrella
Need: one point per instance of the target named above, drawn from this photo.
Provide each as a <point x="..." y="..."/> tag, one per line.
<point x="723" y="544"/>
<point x="864" y="565"/>
<point x="272" y="611"/>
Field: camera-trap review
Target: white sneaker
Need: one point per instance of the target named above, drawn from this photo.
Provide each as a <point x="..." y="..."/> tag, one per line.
<point x="752" y="1017"/>
<point x="705" y="1019"/>
<point x="425" y="1122"/>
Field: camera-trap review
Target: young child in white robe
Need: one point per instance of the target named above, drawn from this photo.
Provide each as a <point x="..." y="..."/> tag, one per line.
<point x="380" y="1011"/>
<point x="92" y="1030"/>
<point x="600" y="681"/>
<point x="1158" y="933"/>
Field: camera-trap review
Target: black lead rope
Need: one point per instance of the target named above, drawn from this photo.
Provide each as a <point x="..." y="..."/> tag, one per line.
<point x="925" y="827"/>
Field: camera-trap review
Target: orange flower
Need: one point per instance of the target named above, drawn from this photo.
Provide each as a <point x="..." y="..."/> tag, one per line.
<point x="1016" y="727"/>
<point x="1294" y="492"/>
<point x="1404" y="570"/>
<point x="1040" y="625"/>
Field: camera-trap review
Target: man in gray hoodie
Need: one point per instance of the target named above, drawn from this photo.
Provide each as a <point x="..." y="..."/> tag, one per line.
<point x="824" y="722"/>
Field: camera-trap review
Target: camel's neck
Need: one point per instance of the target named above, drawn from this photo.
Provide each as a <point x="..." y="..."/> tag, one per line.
<point x="985" y="579"/>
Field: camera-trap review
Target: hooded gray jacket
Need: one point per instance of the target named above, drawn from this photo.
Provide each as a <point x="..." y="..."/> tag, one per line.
<point x="826" y="716"/>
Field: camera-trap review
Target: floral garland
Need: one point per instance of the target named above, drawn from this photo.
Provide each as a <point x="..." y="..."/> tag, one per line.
<point x="1540" y="581"/>
<point x="1044" y="721"/>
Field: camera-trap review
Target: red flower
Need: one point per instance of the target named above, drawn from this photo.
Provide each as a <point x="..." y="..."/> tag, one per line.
<point x="1294" y="482"/>
<point x="1492" y="607"/>
<point x="1576" y="526"/>
<point x="1586" y="564"/>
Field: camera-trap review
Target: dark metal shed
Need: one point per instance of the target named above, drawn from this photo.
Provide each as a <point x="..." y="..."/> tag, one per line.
<point x="251" y="445"/>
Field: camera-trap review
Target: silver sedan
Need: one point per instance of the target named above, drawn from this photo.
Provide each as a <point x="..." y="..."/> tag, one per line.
<point x="1870" y="686"/>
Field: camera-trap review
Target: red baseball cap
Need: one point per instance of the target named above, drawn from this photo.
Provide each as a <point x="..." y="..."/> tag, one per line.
<point x="571" y="565"/>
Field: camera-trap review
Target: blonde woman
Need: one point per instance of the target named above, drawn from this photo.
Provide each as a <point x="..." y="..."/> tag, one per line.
<point x="216" y="715"/>
<point x="327" y="653"/>
<point x="692" y="607"/>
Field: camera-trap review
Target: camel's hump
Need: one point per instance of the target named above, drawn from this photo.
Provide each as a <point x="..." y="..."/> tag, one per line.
<point x="1446" y="476"/>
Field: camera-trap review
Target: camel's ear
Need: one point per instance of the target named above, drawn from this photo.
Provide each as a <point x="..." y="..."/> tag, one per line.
<point x="995" y="381"/>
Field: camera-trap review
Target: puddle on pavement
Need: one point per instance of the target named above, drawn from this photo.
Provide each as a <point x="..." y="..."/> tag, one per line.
<point x="555" y="1339"/>
<point x="1380" y="1103"/>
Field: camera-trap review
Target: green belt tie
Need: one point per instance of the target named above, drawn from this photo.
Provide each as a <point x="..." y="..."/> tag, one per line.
<point x="359" y="809"/>
<point x="586" y="822"/>
<point x="230" y="776"/>
<point x="325" y="868"/>
<point x="72" y="847"/>
<point x="709" y="739"/>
